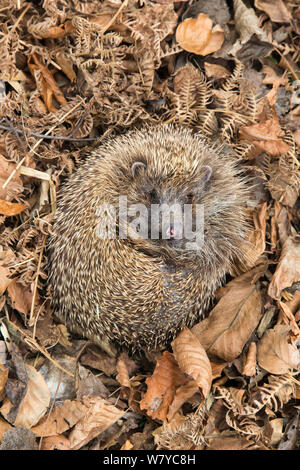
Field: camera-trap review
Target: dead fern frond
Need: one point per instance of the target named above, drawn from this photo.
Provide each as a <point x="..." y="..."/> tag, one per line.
<point x="190" y="97"/>
<point x="275" y="394"/>
<point x="184" y="433"/>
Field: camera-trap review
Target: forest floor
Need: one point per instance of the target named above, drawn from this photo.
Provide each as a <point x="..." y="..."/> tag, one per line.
<point x="74" y="72"/>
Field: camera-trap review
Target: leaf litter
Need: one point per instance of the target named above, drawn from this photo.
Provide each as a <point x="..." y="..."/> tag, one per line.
<point x="75" y="72"/>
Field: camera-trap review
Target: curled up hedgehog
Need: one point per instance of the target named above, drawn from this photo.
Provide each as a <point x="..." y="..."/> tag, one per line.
<point x="136" y="277"/>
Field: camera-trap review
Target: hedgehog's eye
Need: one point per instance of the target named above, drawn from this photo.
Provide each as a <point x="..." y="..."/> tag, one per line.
<point x="153" y="196"/>
<point x="189" y="197"/>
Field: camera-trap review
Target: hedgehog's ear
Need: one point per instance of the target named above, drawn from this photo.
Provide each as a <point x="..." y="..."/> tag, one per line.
<point x="136" y="165"/>
<point x="207" y="172"/>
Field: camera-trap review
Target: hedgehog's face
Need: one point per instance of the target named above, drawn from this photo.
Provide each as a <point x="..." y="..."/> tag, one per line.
<point x="169" y="213"/>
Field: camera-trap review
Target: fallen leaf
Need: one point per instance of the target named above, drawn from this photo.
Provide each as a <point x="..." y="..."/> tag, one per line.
<point x="288" y="318"/>
<point x="35" y="402"/>
<point x="55" y="443"/>
<point x="3" y="379"/>
<point x="127" y="445"/>
<point x="20" y="296"/>
<point x="122" y="375"/>
<point x="216" y="70"/>
<point x="230" y="324"/>
<point x="277" y="352"/>
<point x="48" y="86"/>
<point x="247" y="25"/>
<point x="182" y="394"/>
<point x="198" y="35"/>
<point x="100" y="415"/>
<point x="61" y="418"/>
<point x="161" y="387"/>
<point x="193" y="360"/>
<point x="11" y="208"/>
<point x="15" y="185"/>
<point x="249" y="368"/>
<point x="289" y="439"/>
<point x="266" y="136"/>
<point x="275" y="9"/>
<point x="4" y="279"/>
<point x="288" y="268"/>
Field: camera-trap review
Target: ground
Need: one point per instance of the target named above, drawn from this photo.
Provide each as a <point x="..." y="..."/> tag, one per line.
<point x="74" y="72"/>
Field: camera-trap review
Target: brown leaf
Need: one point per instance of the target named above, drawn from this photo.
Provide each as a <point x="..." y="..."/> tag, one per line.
<point x="4" y="279"/>
<point x="11" y="208"/>
<point x="127" y="445"/>
<point x="161" y="387"/>
<point x="20" y="296"/>
<point x="15" y="186"/>
<point x="198" y="35"/>
<point x="250" y="365"/>
<point x="288" y="318"/>
<point x="61" y="418"/>
<point x="266" y="136"/>
<point x="182" y="394"/>
<point x="276" y="351"/>
<point x="230" y="324"/>
<point x="275" y="9"/>
<point x="49" y="88"/>
<point x="193" y="360"/>
<point x="288" y="268"/>
<point x="99" y="360"/>
<point x="35" y="402"/>
<point x="122" y="376"/>
<point x="100" y="415"/>
<point x="3" y="379"/>
<point x="55" y="443"/>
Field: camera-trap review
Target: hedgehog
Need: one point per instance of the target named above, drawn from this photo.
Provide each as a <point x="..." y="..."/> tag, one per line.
<point x="135" y="278"/>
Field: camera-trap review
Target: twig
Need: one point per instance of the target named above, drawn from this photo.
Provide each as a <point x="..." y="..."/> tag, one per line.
<point x="43" y="136"/>
<point x="106" y="27"/>
<point x="36" y="279"/>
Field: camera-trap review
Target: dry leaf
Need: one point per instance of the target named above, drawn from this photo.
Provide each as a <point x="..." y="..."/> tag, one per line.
<point x="3" y="379"/>
<point x="256" y="248"/>
<point x="288" y="268"/>
<point x="48" y="86"/>
<point x="276" y="351"/>
<point x="161" y="387"/>
<point x="198" y="35"/>
<point x="35" y="402"/>
<point x="122" y="376"/>
<point x="127" y="445"/>
<point x="288" y="318"/>
<point x="15" y="185"/>
<point x="182" y="394"/>
<point x="55" y="443"/>
<point x="20" y="296"/>
<point x="230" y="324"/>
<point x="250" y="365"/>
<point x="4" y="279"/>
<point x="61" y="418"/>
<point x="266" y="136"/>
<point x="216" y="70"/>
<point x="193" y="360"/>
<point x="275" y="9"/>
<point x="11" y="208"/>
<point x="100" y="415"/>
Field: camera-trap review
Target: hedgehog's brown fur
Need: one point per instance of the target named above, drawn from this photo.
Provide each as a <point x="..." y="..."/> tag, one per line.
<point x="140" y="293"/>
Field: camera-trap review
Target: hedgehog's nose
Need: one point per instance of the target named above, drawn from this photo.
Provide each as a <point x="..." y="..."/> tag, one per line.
<point x="174" y="231"/>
